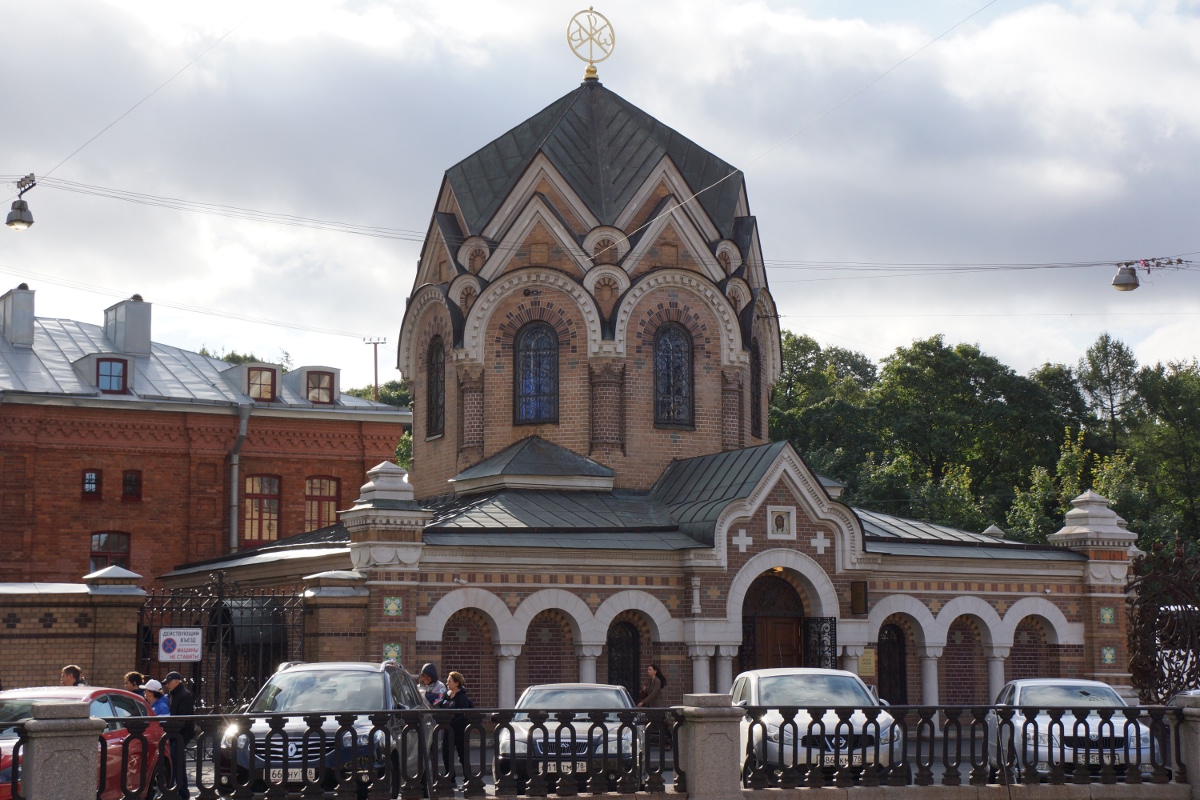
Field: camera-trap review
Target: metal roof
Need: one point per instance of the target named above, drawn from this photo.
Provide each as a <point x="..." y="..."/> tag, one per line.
<point x="604" y="146"/>
<point x="534" y="455"/>
<point x="532" y="510"/>
<point x="168" y="374"/>
<point x="884" y="533"/>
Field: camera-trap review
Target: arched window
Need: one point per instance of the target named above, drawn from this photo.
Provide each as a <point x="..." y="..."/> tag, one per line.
<point x="672" y="376"/>
<point x="756" y="399"/>
<point x="535" y="374"/>
<point x="435" y="389"/>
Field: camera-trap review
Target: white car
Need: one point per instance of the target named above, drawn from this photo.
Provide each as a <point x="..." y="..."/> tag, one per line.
<point x="1078" y="737"/>
<point x="581" y="747"/>
<point x="861" y="734"/>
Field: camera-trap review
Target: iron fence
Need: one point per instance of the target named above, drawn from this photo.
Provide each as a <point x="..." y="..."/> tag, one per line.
<point x="982" y="745"/>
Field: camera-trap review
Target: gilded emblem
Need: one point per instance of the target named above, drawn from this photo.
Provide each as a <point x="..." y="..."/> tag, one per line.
<point x="591" y="37"/>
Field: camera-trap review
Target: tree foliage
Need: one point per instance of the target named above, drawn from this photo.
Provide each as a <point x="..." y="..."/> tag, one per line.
<point x="393" y="393"/>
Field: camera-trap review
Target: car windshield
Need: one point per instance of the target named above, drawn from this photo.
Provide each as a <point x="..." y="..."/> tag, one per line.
<point x="823" y="691"/>
<point x="13" y="711"/>
<point x="308" y="691"/>
<point x="1068" y="695"/>
<point x="569" y="698"/>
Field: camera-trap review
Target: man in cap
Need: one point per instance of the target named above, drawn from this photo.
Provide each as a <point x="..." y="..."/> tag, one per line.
<point x="181" y="704"/>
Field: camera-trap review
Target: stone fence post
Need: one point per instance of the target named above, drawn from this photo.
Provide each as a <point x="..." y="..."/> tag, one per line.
<point x="1189" y="742"/>
<point x="61" y="758"/>
<point x="710" y="747"/>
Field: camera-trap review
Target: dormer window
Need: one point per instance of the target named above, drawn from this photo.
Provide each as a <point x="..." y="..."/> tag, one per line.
<point x="111" y="375"/>
<point x="319" y="387"/>
<point x="261" y="382"/>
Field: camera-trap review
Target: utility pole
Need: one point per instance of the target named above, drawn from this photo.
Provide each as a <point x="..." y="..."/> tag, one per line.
<point x="375" y="341"/>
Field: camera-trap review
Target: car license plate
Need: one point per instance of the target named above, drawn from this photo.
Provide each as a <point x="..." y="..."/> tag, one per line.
<point x="841" y="761"/>
<point x="1095" y="758"/>
<point x="552" y="766"/>
<point x="293" y="775"/>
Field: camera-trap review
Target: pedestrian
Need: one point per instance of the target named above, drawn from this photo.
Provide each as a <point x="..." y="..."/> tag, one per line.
<point x="430" y="685"/>
<point x="134" y="681"/>
<point x="180" y="704"/>
<point x="71" y="675"/>
<point x="651" y="695"/>
<point x="157" y="698"/>
<point x="456" y="697"/>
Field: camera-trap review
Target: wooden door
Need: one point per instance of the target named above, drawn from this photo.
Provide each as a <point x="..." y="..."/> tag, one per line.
<point x="778" y="642"/>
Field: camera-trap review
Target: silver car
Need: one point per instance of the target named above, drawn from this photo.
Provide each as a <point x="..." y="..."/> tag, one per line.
<point x="1062" y="721"/>
<point x="862" y="734"/>
<point x="581" y="747"/>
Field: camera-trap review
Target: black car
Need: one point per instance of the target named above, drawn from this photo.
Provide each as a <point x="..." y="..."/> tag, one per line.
<point x="291" y="735"/>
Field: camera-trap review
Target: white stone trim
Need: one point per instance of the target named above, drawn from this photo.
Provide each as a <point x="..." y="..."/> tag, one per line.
<point x="1058" y="630"/>
<point x="924" y="626"/>
<point x="475" y="338"/>
<point x="411" y="326"/>
<point x="766" y="312"/>
<point x="583" y="623"/>
<point x="743" y="289"/>
<point x="539" y="168"/>
<point x="594" y="275"/>
<point x="705" y="291"/>
<point x="663" y="627"/>
<point x="431" y="627"/>
<point x="666" y="172"/>
<point x="821" y="593"/>
<point x="684" y="226"/>
<point x="990" y="625"/>
<point x="603" y="232"/>
<point x="536" y="211"/>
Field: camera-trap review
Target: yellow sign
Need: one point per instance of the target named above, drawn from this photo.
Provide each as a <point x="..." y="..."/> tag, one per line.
<point x="866" y="663"/>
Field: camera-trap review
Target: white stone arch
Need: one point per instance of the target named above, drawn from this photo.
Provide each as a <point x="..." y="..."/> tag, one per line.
<point x="606" y="232"/>
<point x="431" y="626"/>
<point x="410" y="328"/>
<point x="766" y="312"/>
<point x="821" y="594"/>
<point x="1058" y="630"/>
<point x="532" y="278"/>
<point x="990" y="626"/>
<point x="663" y="627"/>
<point x="925" y="628"/>
<point x="580" y="617"/>
<point x="703" y="290"/>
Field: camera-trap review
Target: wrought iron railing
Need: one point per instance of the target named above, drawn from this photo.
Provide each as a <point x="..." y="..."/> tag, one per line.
<point x="981" y="745"/>
<point x="11" y="753"/>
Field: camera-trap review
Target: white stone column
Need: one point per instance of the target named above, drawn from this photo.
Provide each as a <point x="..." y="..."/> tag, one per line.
<point x="701" y="657"/>
<point x="929" y="674"/>
<point x="850" y="655"/>
<point x="587" y="653"/>
<point x="995" y="661"/>
<point x="506" y="674"/>
<point x="725" y="655"/>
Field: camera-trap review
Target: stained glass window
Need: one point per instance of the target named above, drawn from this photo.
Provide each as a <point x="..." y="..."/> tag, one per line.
<point x="535" y="376"/>
<point x="672" y="376"/>
<point x="435" y="390"/>
<point x="756" y="404"/>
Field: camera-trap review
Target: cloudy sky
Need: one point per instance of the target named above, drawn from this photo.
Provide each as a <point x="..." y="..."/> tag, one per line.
<point x="1034" y="133"/>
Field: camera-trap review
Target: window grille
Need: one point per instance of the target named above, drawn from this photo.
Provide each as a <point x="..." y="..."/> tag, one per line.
<point x="435" y="390"/>
<point x="672" y="376"/>
<point x="535" y="377"/>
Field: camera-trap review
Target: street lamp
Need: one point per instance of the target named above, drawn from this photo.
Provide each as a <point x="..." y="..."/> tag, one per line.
<point x="1126" y="279"/>
<point x="19" y="218"/>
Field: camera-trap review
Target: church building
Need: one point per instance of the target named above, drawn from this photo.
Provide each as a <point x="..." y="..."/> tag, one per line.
<point x="590" y="345"/>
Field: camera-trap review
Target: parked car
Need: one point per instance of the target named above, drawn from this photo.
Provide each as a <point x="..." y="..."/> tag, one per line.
<point x="17" y="705"/>
<point x="1081" y="739"/>
<point x="574" y="747"/>
<point x="826" y="741"/>
<point x="327" y="689"/>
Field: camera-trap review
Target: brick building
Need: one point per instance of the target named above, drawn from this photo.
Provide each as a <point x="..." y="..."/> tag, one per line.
<point x="590" y="344"/>
<point x="117" y="450"/>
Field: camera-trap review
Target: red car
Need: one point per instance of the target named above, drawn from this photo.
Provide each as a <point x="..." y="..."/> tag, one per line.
<point x="17" y="705"/>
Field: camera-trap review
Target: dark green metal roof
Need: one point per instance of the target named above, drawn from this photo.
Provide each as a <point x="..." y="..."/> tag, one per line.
<point x="535" y="456"/>
<point x="696" y="490"/>
<point x="604" y="146"/>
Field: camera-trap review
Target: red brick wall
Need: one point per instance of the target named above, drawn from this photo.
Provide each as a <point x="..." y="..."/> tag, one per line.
<point x="549" y="652"/>
<point x="467" y="648"/>
<point x="1030" y="656"/>
<point x="46" y="526"/>
<point x="962" y="669"/>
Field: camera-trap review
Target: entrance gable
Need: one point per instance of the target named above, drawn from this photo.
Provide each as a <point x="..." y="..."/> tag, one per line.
<point x="537" y="219"/>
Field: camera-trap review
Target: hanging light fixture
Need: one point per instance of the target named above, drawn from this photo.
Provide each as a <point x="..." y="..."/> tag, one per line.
<point x="20" y="218"/>
<point x="1126" y="279"/>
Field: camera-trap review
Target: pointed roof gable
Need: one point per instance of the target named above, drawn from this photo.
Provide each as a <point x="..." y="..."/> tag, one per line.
<point x="534" y="463"/>
<point x="604" y="146"/>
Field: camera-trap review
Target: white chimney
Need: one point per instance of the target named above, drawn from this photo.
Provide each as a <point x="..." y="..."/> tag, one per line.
<point x="16" y="316"/>
<point x="127" y="325"/>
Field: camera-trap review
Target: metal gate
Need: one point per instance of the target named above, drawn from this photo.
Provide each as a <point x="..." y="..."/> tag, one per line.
<point x="1163" y="595"/>
<point x="625" y="657"/>
<point x="245" y="636"/>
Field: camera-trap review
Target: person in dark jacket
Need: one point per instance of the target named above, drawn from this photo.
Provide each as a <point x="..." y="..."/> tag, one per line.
<point x="71" y="675"/>
<point x="430" y="685"/>
<point x="180" y="703"/>
<point x="455" y="697"/>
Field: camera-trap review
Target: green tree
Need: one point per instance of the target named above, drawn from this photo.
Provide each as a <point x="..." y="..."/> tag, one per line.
<point x="1108" y="374"/>
<point x="393" y="393"/>
<point x="404" y="450"/>
<point x="1167" y="439"/>
<point x="232" y="357"/>
<point x="1061" y="384"/>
